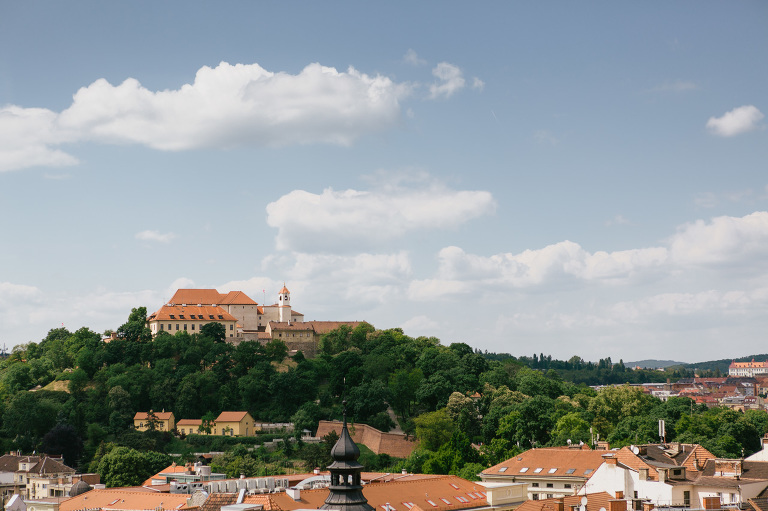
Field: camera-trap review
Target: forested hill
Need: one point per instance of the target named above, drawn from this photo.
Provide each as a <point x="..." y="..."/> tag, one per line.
<point x="721" y="366"/>
<point x="73" y="391"/>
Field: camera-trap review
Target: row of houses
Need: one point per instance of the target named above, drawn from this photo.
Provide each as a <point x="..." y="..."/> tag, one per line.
<point x="226" y="424"/>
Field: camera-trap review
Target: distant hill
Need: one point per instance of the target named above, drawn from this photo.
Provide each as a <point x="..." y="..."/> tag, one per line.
<point x="655" y="364"/>
<point x="724" y="363"/>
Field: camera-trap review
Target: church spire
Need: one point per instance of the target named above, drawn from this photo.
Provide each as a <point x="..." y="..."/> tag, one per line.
<point x="346" y="488"/>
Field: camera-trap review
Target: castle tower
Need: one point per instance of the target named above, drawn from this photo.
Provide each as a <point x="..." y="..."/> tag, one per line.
<point x="284" y="305"/>
<point x="346" y="491"/>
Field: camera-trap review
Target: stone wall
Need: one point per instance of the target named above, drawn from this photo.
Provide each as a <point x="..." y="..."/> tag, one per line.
<point x="394" y="444"/>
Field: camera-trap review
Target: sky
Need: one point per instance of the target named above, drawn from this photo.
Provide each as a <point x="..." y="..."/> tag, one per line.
<point x="569" y="178"/>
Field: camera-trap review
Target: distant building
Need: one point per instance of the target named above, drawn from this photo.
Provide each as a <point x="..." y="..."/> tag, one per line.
<point x="234" y="424"/>
<point x="164" y="421"/>
<point x="748" y="369"/>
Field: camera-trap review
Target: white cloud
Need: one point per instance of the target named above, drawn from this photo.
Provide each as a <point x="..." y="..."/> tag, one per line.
<point x="724" y="240"/>
<point x="412" y="58"/>
<point x="478" y="84"/>
<point x="451" y="80"/>
<point x="155" y="236"/>
<point x="226" y="106"/>
<point x="340" y="221"/>
<point x="739" y="120"/>
<point x="27" y="137"/>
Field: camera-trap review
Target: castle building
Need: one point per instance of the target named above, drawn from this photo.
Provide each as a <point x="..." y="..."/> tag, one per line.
<point x="748" y="369"/>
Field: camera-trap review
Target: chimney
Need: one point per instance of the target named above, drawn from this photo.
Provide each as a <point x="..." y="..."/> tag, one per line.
<point x="617" y="505"/>
<point x="643" y="472"/>
<point x="294" y="493"/>
<point x="610" y="459"/>
<point x="317" y="470"/>
<point x="619" y="494"/>
<point x="648" y="506"/>
<point x="712" y="503"/>
<point x="560" y="504"/>
<point x="662" y="475"/>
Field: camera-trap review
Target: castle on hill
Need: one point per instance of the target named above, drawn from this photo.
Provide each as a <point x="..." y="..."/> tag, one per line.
<point x="243" y="319"/>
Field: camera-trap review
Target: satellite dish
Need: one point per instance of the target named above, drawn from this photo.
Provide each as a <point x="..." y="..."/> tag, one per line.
<point x="635" y="450"/>
<point x="584" y="502"/>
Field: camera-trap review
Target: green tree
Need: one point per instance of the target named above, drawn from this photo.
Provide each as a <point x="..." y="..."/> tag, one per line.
<point x="124" y="466"/>
<point x="215" y="331"/>
<point x="433" y="429"/>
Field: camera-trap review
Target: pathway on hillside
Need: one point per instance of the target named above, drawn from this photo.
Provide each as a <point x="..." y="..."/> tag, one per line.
<point x="392" y="416"/>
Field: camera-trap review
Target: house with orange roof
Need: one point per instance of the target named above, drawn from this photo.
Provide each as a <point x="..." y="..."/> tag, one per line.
<point x="189" y="426"/>
<point x="550" y="472"/>
<point x="163" y="421"/>
<point x="234" y="424"/>
<point x="173" y="318"/>
<point x="124" y="499"/>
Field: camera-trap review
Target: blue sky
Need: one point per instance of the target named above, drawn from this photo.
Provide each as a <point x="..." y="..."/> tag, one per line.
<point x="568" y="178"/>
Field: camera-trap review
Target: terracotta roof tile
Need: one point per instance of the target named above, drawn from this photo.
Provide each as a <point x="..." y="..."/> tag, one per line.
<point x="195" y="296"/>
<point x="124" y="499"/>
<point x="163" y="416"/>
<point x="191" y="313"/>
<point x="554" y="462"/>
<point x="231" y="416"/>
<point x="236" y="298"/>
<point x="595" y="501"/>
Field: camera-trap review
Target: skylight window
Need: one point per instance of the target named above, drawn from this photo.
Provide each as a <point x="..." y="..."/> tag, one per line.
<point x="502" y="469"/>
<point x="455" y="486"/>
<point x="431" y="503"/>
<point x="472" y="495"/>
<point x="538" y="470"/>
<point x="524" y="470"/>
<point x="446" y="501"/>
<point x="570" y="471"/>
<point x="552" y="470"/>
<point x="409" y="505"/>
<point x="588" y="471"/>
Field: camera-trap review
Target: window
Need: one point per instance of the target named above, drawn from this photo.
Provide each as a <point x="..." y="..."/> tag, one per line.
<point x="177" y="326"/>
<point x="185" y="326"/>
<point x="552" y="470"/>
<point x="568" y="485"/>
<point x="550" y="485"/>
<point x="686" y="498"/>
<point x="199" y="316"/>
<point x="570" y="471"/>
<point x="221" y="317"/>
<point x="210" y="316"/>
<point x="588" y="471"/>
<point x="173" y="317"/>
<point x="161" y="326"/>
<point x="231" y="326"/>
<point x="535" y="485"/>
<point x="535" y="496"/>
<point x="502" y="469"/>
<point x="431" y="503"/>
<point x="538" y="470"/>
<point x="169" y="326"/>
<point x="550" y="495"/>
<point x="446" y="500"/>
<point x="193" y="326"/>
<point x="181" y="316"/>
<point x="524" y="470"/>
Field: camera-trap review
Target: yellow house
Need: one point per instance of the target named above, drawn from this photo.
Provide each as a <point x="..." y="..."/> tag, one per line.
<point x="190" y="426"/>
<point x="164" y="421"/>
<point x="234" y="424"/>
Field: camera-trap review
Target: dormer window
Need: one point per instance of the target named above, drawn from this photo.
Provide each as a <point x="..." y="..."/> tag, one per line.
<point x="173" y="316"/>
<point x="181" y="316"/>
<point x="221" y="317"/>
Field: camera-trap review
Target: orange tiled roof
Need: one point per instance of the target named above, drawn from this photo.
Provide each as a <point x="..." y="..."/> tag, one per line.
<point x="594" y="501"/>
<point x="192" y="313"/>
<point x="236" y="298"/>
<point x="189" y="422"/>
<point x="231" y="416"/>
<point x="440" y="493"/>
<point x="173" y="468"/>
<point x="549" y="462"/>
<point x="195" y="296"/>
<point x="124" y="499"/>
<point x="163" y="416"/>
